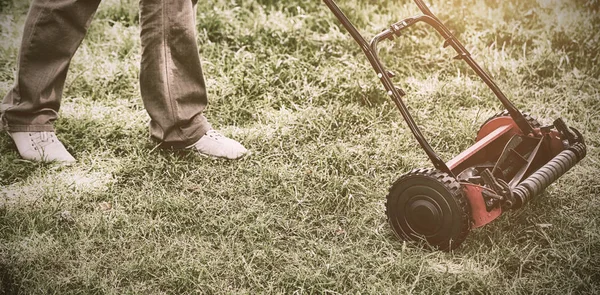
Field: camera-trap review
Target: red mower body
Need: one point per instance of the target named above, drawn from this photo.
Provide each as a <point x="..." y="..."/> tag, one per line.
<point x="491" y="141"/>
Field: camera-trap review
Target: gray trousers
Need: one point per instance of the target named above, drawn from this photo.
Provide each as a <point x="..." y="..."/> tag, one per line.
<point x="171" y="81"/>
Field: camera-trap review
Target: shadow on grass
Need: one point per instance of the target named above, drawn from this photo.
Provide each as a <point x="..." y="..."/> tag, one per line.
<point x="7" y="283"/>
<point x="96" y="137"/>
<point x="86" y="139"/>
<point x="137" y="157"/>
<point x="14" y="169"/>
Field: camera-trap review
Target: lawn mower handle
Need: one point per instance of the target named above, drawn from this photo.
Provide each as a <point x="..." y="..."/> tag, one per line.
<point x="517" y="116"/>
<point x="396" y="93"/>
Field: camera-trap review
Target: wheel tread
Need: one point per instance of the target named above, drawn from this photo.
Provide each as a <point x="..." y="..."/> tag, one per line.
<point x="453" y="186"/>
<point x="530" y="119"/>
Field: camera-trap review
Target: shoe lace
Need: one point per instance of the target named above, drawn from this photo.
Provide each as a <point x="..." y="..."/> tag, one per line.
<point x="214" y="134"/>
<point x="210" y="133"/>
<point x="41" y="139"/>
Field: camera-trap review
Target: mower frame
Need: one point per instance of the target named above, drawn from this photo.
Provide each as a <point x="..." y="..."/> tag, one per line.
<point x="396" y="93"/>
<point x="513" y="159"/>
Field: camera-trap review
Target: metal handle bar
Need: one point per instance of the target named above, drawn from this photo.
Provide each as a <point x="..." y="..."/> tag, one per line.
<point x="370" y="50"/>
<point x="517" y="116"/>
<point x="424" y="8"/>
<point x="395" y="93"/>
<point x="463" y="53"/>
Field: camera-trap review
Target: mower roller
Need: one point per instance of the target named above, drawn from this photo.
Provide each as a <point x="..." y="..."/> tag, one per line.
<point x="513" y="159"/>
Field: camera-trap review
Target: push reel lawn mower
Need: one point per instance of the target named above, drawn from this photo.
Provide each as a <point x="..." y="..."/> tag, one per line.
<point x="513" y="160"/>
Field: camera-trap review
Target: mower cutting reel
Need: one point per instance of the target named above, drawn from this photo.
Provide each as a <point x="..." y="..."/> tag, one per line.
<point x="513" y="159"/>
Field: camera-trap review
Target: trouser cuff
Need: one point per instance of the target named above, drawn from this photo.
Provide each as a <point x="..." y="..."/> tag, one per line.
<point x="186" y="142"/>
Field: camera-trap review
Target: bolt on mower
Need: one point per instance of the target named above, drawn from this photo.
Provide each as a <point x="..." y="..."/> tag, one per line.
<point x="514" y="157"/>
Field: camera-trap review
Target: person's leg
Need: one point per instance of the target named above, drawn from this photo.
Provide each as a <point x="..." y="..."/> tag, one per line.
<point x="53" y="31"/>
<point x="171" y="80"/>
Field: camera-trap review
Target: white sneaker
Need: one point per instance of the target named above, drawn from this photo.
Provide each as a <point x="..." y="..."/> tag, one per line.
<point x="41" y="147"/>
<point x="214" y="144"/>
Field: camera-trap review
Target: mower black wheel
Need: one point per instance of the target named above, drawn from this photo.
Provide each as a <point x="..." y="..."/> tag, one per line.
<point x="531" y="120"/>
<point x="427" y="204"/>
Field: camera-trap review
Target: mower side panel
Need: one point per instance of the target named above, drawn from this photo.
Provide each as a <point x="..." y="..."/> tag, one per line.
<point x="479" y="214"/>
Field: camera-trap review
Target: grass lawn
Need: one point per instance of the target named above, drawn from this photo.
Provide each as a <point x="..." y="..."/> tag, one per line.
<point x="305" y="212"/>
